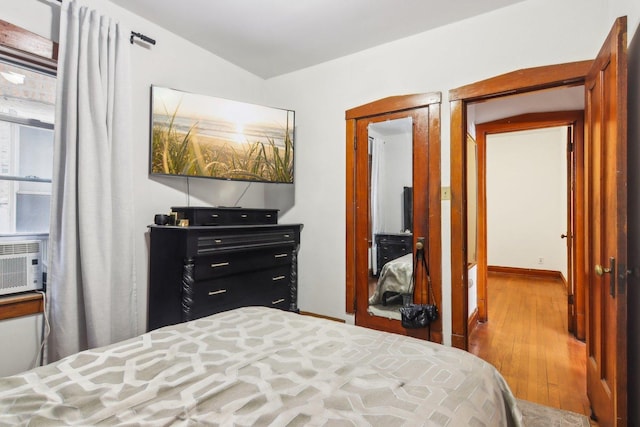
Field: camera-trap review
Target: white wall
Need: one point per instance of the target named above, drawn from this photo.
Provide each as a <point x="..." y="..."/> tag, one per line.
<point x="527" y="199"/>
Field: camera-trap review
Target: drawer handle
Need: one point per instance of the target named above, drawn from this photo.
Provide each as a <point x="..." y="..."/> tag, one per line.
<point x="218" y="240"/>
<point x="281" y="255"/>
<point x="275" y="279"/>
<point x="268" y="215"/>
<point x="243" y="215"/>
<point x="214" y="215"/>
<point x="220" y="264"/>
<point x="221" y="291"/>
<point x="278" y="301"/>
<point x="287" y="235"/>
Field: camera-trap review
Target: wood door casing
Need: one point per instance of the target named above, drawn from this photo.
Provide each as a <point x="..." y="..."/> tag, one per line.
<point x="425" y="112"/>
<point x="521" y="81"/>
<point x="513" y="124"/>
<point x="606" y="228"/>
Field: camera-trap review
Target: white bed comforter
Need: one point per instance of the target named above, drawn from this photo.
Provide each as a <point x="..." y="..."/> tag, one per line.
<point x="260" y="366"/>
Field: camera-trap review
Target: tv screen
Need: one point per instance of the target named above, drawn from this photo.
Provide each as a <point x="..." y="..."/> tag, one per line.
<point x="204" y="136"/>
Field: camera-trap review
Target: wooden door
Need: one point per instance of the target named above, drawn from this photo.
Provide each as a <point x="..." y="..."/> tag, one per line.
<point x="606" y="246"/>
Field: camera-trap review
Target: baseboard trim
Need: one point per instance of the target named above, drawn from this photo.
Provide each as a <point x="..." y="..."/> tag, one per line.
<point x="322" y="316"/>
<point x="529" y="272"/>
<point x="472" y="323"/>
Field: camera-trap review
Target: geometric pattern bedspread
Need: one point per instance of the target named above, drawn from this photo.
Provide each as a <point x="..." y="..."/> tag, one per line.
<point x="261" y="366"/>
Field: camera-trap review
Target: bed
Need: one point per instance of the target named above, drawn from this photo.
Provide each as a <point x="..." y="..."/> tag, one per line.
<point x="262" y="366"/>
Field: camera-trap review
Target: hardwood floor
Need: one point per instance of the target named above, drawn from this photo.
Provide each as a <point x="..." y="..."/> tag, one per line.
<point x="526" y="339"/>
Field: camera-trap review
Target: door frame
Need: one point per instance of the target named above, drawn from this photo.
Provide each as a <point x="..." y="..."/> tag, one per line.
<point x="521" y="81"/>
<point x="575" y="224"/>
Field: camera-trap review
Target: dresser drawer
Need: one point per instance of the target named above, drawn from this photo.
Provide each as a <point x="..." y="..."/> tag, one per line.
<point x="390" y="252"/>
<point x="265" y="287"/>
<point x="211" y="218"/>
<point x="279" y="298"/>
<point x="212" y="243"/>
<point x="234" y="218"/>
<point x="226" y="216"/>
<point x="406" y="241"/>
<point x="229" y="263"/>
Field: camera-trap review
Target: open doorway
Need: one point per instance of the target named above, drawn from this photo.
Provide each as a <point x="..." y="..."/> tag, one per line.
<point x="526" y="175"/>
<point x="537" y="209"/>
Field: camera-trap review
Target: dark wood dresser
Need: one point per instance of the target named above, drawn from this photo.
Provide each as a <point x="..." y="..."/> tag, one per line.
<point x="199" y="270"/>
<point x="392" y="246"/>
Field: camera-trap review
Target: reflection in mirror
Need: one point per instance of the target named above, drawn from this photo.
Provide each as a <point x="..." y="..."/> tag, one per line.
<point x="391" y="216"/>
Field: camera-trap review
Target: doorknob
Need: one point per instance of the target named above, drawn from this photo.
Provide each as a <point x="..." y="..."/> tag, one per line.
<point x="563" y="236"/>
<point x="600" y="271"/>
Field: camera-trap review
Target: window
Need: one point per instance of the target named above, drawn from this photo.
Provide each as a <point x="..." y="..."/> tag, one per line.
<point x="27" y="110"/>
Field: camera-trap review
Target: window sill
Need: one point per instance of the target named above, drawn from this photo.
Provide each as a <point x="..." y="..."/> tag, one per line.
<point x="12" y="306"/>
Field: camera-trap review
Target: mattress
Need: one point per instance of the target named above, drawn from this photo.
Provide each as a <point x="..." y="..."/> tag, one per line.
<point x="262" y="366"/>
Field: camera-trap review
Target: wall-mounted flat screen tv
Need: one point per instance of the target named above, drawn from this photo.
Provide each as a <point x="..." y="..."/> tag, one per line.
<point x="204" y="136"/>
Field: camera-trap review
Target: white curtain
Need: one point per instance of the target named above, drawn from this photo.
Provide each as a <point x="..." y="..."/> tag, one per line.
<point x="92" y="290"/>
<point x="376" y="148"/>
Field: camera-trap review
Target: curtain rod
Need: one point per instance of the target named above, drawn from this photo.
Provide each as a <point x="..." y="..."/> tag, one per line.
<point x="141" y="36"/>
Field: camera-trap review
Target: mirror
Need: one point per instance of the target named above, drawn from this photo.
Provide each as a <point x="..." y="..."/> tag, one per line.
<point x="390" y="216"/>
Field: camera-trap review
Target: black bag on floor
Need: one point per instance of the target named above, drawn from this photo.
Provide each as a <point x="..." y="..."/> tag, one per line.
<point x="418" y="315"/>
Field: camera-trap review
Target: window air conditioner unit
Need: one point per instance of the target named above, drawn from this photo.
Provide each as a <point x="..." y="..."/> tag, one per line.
<point x="20" y="266"/>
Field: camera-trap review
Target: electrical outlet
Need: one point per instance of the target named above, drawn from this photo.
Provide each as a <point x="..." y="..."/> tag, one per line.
<point x="540" y="260"/>
<point x="445" y="193"/>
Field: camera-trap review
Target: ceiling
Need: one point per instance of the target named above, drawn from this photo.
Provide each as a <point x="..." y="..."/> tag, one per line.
<point x="274" y="37"/>
<point x="541" y="101"/>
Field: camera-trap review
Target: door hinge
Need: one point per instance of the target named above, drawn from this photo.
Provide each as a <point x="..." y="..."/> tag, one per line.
<point x="570" y="139"/>
<point x="571" y="300"/>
